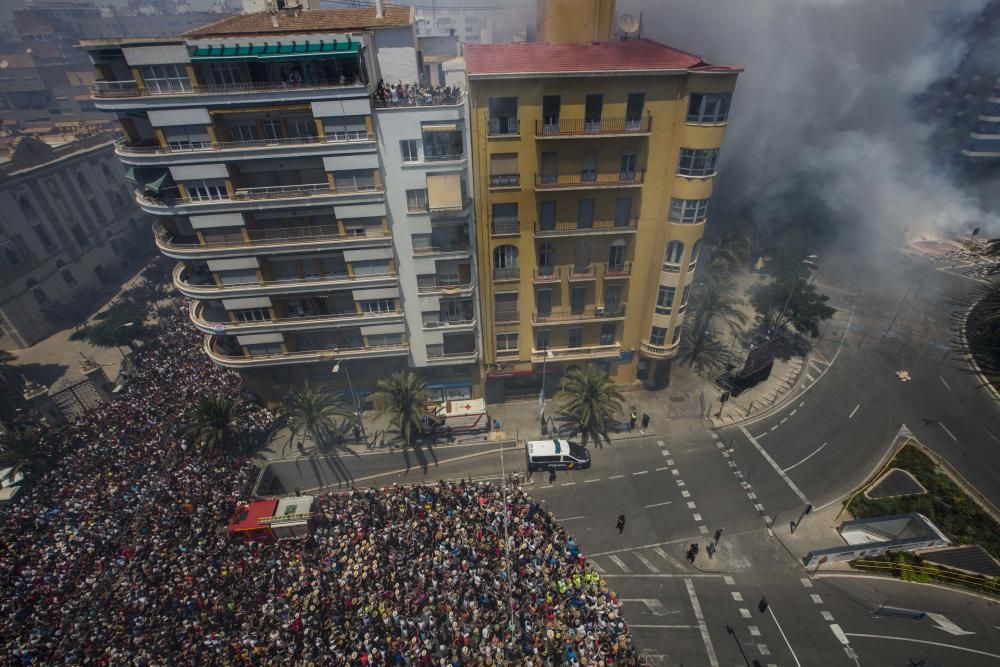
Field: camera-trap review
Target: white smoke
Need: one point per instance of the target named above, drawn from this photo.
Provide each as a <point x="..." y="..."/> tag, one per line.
<point x="826" y="103"/>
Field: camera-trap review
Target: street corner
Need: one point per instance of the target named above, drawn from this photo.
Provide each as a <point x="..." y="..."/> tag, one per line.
<point x="818" y="529"/>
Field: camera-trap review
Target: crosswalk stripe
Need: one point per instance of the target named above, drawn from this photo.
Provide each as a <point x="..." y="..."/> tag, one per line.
<point x="597" y="568"/>
<point x="661" y="553"/>
<point x="648" y="563"/>
<point x="620" y="563"/>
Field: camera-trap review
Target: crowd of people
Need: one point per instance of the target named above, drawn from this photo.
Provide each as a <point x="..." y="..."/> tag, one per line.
<point x="119" y="555"/>
<point x="411" y="94"/>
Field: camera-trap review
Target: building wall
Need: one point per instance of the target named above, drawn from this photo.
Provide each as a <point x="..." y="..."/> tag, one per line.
<point x="575" y="20"/>
<point x="396" y="52"/>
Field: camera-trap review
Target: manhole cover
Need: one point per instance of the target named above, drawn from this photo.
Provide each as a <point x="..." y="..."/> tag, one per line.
<point x="895" y="483"/>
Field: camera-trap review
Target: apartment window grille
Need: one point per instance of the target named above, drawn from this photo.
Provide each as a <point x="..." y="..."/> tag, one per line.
<point x="708" y="107"/>
<point x="165" y="78"/>
<point x="206" y="190"/>
<point x="378" y="306"/>
<point x="408" y="148"/>
<point x="698" y="161"/>
<point x="688" y="211"/>
<point x="506" y="341"/>
<point x="658" y="336"/>
<point x="252" y="315"/>
<point x="416" y="200"/>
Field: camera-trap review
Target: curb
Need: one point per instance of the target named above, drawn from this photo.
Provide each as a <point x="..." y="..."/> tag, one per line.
<point x="777" y="404"/>
<point x="970" y="357"/>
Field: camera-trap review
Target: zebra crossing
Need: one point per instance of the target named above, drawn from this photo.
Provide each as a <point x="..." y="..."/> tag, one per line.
<point x="648" y="560"/>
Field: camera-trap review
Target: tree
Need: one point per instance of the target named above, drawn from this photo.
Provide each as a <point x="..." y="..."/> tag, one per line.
<point x="403" y="397"/>
<point x="21" y="448"/>
<point x="74" y="312"/>
<point x="590" y="401"/>
<point x="793" y="301"/>
<point x="317" y="413"/>
<point x="112" y="332"/>
<point x="212" y="422"/>
<point x="712" y="304"/>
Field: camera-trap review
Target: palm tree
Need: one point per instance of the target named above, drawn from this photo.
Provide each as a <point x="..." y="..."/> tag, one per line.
<point x="20" y="448"/>
<point x="212" y="422"/>
<point x="590" y="401"/>
<point x="403" y="397"/>
<point x="316" y="413"/>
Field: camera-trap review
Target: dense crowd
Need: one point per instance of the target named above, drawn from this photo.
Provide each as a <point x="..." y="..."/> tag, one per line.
<point x="119" y="556"/>
<point x="410" y="94"/>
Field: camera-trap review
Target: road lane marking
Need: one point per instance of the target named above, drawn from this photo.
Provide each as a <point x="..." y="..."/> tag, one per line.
<point x="745" y="613"/>
<point x="923" y="641"/>
<point x="680" y="482"/>
<point x="568" y="483"/>
<point x="839" y="634"/>
<point x="616" y="476"/>
<point x="648" y="563"/>
<point x="783" y="420"/>
<point x="664" y="627"/>
<point x="670" y="462"/>
<point x="991" y="435"/>
<point x="685" y="494"/>
<point x="787" y="643"/>
<point x="816" y="598"/>
<point x="854" y="411"/>
<point x="768" y="520"/>
<point x="737" y="596"/>
<point x="944" y="623"/>
<point x="810" y="378"/>
<point x="597" y="567"/>
<point x="945" y="383"/>
<point x="827" y="616"/>
<point x="807" y="582"/>
<point x="692" y="505"/>
<point x="590" y="481"/>
<point x="697" y="517"/>
<point x="675" y="472"/>
<point x="657" y="504"/>
<point x="792" y="413"/>
<point x="729" y="580"/>
<point x="703" y="530"/>
<point x="662" y="469"/>
<point x="652" y="604"/>
<point x="754" y="630"/>
<point x="808" y="457"/>
<point x="948" y="432"/>
<point x="661" y="443"/>
<point x="774" y="427"/>
<point x="641" y="472"/>
<point x="781" y="473"/>
<point x="696" y="607"/>
<point x="619" y="562"/>
<point x="570" y="518"/>
<point x="764" y="650"/>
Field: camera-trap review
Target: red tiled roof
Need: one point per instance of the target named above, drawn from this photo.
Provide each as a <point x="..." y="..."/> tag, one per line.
<point x="544" y="57"/>
<point x="308" y="21"/>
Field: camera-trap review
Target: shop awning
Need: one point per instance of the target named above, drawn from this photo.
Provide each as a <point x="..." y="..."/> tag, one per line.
<point x="444" y="192"/>
<point x="275" y="50"/>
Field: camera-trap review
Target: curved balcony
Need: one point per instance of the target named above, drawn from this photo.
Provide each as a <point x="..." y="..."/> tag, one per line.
<point x="658" y="351"/>
<point x="260" y="198"/>
<point x="194" y="152"/>
<point x="309" y="356"/>
<point x="201" y="321"/>
<point x="201" y="286"/>
<point x="272" y="242"/>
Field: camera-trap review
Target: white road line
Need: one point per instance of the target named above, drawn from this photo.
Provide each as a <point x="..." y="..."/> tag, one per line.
<point x="792" y="413"/>
<point x="663" y="627"/>
<point x="729" y="580"/>
<point x="810" y="378"/>
<point x="597" y="567"/>
<point x="590" y="481"/>
<point x="616" y="476"/>
<point x="808" y="457"/>
<point x="662" y="469"/>
<point x="854" y="411"/>
<point x="715" y="436"/>
<point x="675" y="472"/>
<point x="641" y="472"/>
<point x="568" y="483"/>
<point x="775" y="427"/>
<point x="657" y="504"/>
<point x="807" y="582"/>
<point x="790" y="649"/>
<point x="570" y="518"/>
<point x="737" y="596"/>
<point x="781" y="473"/>
<point x="783" y="420"/>
<point x="801" y="403"/>
<point x="701" y="623"/>
<point x="996" y="439"/>
<point x="661" y="443"/>
<point x="839" y="634"/>
<point x="827" y="616"/>
<point x="952" y="435"/>
<point x="697" y="517"/>
<point x="754" y="630"/>
<point x="648" y="563"/>
<point x="816" y="598"/>
<point x="764" y="650"/>
<point x="924" y="641"/>
<point x="945" y="383"/>
<point x="745" y="613"/>
<point x="680" y="482"/>
<point x="670" y="462"/>
<point x="703" y="530"/>
<point x="685" y="494"/>
<point x="692" y="505"/>
<point x="620" y="563"/>
<point x="767" y="519"/>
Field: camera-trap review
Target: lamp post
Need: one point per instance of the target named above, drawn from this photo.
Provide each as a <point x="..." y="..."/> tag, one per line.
<point x="354" y="397"/>
<point x="117" y="337"/>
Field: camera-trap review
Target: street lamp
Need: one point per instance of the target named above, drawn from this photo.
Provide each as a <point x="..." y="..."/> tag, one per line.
<point x="117" y="338"/>
<point x="354" y="397"/>
<point x="541" y="394"/>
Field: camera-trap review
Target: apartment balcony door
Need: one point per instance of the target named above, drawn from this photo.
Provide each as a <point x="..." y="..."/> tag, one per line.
<point x="626" y="171"/>
<point x="547" y="215"/>
<point x="550" y="167"/>
<point x="581" y="259"/>
<point x="578" y="299"/>
<point x="592" y="112"/>
<point x="585" y="214"/>
<point x="616" y="255"/>
<point x="588" y="166"/>
<point x="612" y="297"/>
<point x="543" y="301"/>
<point x="633" y="111"/>
<point x="551" y="105"/>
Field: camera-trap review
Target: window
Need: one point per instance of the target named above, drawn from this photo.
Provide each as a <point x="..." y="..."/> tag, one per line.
<point x="416" y="200"/>
<point x="68" y="278"/>
<point x="608" y="333"/>
<point x="503" y="115"/>
<point x="409" y="150"/>
<point x="40" y="295"/>
<point x="546" y="256"/>
<point x="188" y="137"/>
<point x="593" y="106"/>
<point x="688" y="211"/>
<point x="264" y="349"/>
<point x="246" y="131"/>
<point x="442" y="142"/>
<point x="665" y="300"/>
<point x="384" y="340"/>
<point x="616" y="254"/>
<point x="505" y="218"/>
<point x="588" y="166"/>
<point x="505" y="307"/>
<point x="81" y="237"/>
<point x="657" y="336"/>
<point x="165" y="78"/>
<point x="708" y="107"/>
<point x="378" y="306"/>
<point x="252" y="315"/>
<point x="224" y="74"/>
<point x="504" y="170"/>
<point x="684" y="296"/>
<point x="633" y="111"/>
<point x="206" y="190"/>
<point x="698" y="161"/>
<point x="273" y="130"/>
<point x="506" y="341"/>
<point x="550" y="113"/>
<point x="542" y="340"/>
<point x="672" y="257"/>
<point x="575" y="337"/>
<point x="240" y="277"/>
<point x="585" y="214"/>
<point x="626" y="168"/>
<point x="26" y="208"/>
<point x="301" y="128"/>
<point x="547" y="215"/>
<point x="355" y="180"/>
<point x="505" y="262"/>
<point x="695" y="249"/>
<point x="677" y="336"/>
<point x="623" y="211"/>
<point x="43" y="236"/>
<point x="369" y="267"/>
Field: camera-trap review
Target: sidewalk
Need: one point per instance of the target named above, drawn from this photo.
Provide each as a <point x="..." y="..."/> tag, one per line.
<point x="817" y="530"/>
<point x="779" y="387"/>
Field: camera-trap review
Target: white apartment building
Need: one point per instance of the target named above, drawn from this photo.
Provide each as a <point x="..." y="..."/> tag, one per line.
<point x="282" y="193"/>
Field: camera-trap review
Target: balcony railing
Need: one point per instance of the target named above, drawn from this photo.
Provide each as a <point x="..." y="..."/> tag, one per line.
<point x="446" y="289"/>
<point x="507" y="354"/>
<point x="434" y="98"/>
<point x="591" y="179"/>
<point x="444" y="157"/>
<point x="623" y="270"/>
<point x="589" y="313"/>
<point x="502" y="315"/>
<point x="122" y="146"/>
<point x="657" y="351"/>
<point x="300" y="357"/>
<point x="582" y="272"/>
<point x="267" y="238"/>
<point x="574" y="353"/>
<point x="509" y="273"/>
<point x="171" y="197"/>
<point x="198" y="317"/>
<point x="572" y="227"/>
<point x="670" y="267"/>
<point x="505" y="227"/>
<point x="199" y="285"/>
<point x="441" y="248"/>
<point x="547" y="274"/>
<point x="129" y="88"/>
<point x="567" y="127"/>
<point x="504" y="127"/>
<point x="452" y="356"/>
<point x="505" y="180"/>
<point x="449" y="324"/>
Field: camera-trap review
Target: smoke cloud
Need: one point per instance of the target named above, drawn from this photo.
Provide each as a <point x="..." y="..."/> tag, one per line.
<point x="825" y="108"/>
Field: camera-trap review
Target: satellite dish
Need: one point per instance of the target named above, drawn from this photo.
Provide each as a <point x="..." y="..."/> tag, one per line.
<point x="4" y="64"/>
<point x="628" y="23"/>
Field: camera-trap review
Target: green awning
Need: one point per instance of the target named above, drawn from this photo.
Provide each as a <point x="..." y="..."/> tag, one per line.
<point x="275" y="50"/>
<point x="130" y="173"/>
<point x="147" y="178"/>
<point x="157" y="183"/>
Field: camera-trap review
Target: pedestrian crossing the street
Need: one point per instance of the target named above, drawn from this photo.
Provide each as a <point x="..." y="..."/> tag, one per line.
<point x="650" y="560"/>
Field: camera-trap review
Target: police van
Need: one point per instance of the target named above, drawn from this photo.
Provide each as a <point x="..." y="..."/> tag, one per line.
<point x="556" y="455"/>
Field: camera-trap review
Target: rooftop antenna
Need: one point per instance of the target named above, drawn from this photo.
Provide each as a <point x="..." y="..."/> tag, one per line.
<point x="627" y="24"/>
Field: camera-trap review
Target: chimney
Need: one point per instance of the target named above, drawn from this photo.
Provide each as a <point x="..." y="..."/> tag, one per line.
<point x="379" y="9"/>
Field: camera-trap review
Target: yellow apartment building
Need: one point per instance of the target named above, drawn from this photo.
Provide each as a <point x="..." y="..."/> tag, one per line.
<point x="593" y="165"/>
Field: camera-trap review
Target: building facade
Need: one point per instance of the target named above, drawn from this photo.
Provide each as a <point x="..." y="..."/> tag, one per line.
<point x="320" y="237"/>
<point x="66" y="216"/>
<point x="594" y="164"/>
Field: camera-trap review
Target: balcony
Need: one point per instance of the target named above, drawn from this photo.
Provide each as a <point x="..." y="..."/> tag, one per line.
<point x="209" y="322"/>
<point x="505" y="227"/>
<point x="277" y="241"/>
<point x="506" y="274"/>
<point x="454" y="250"/>
<point x="507" y="355"/>
<point x="582" y="273"/>
<point x="202" y="285"/>
<point x="276" y="196"/>
<point x="504" y="181"/>
<point x="590" y="180"/>
<point x="440" y="356"/>
<point x="588" y="314"/>
<point x="576" y="353"/>
<point x="435" y="98"/>
<point x="504" y="316"/>
<point x="152" y="152"/>
<point x="570" y="128"/>
<point x="305" y="357"/>
<point x="658" y="351"/>
<point x="450" y="325"/>
<point x="547" y="274"/>
<point x="446" y="289"/>
<point x="129" y="88"/>
<point x="615" y="271"/>
<point x="504" y="127"/>
<point x="574" y="228"/>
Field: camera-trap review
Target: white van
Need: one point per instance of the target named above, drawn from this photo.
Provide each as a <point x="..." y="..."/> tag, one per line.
<point x="465" y="416"/>
<point x="556" y="455"/>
